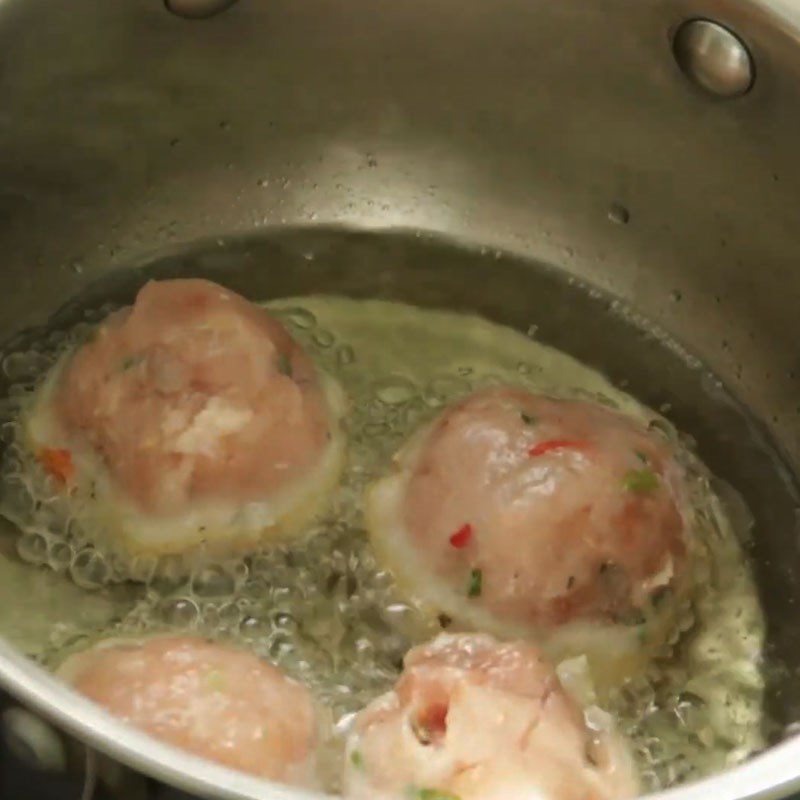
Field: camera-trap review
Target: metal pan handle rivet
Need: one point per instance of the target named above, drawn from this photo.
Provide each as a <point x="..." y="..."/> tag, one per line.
<point x="714" y="58"/>
<point x="197" y="9"/>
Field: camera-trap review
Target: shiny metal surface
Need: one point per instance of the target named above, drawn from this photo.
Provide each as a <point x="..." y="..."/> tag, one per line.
<point x="518" y="124"/>
<point x="197" y="9"/>
<point x="32" y="740"/>
<point x="714" y="58"/>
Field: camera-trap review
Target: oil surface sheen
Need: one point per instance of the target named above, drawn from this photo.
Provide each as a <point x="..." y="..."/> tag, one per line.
<point x="324" y="609"/>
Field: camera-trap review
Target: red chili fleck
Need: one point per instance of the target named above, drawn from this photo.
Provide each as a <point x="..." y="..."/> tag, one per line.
<point x="461" y="537"/>
<point x="434" y="718"/>
<point x="430" y="725"/>
<point x="556" y="444"/>
<point x="57" y="463"/>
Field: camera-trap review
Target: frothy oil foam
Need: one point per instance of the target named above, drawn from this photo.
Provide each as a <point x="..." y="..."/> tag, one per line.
<point x="327" y="612"/>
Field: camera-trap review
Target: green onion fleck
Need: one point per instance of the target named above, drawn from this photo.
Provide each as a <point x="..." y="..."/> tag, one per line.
<point x="640" y="480"/>
<point x="475" y="583"/>
<point x="215" y="681"/>
<point x="284" y="365"/>
<point x="642" y="457"/>
<point x="435" y="794"/>
<point x="357" y="759"/>
<point x="129" y="362"/>
<point x="528" y="419"/>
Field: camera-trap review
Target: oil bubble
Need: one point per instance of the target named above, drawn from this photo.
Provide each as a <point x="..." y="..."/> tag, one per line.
<point x="283" y="621"/>
<point x="444" y="389"/>
<point x="32" y="547"/>
<point x="254" y="628"/>
<point x="280" y="646"/>
<point x="212" y="581"/>
<point x="323" y="338"/>
<point x="181" y="612"/>
<point x="395" y="390"/>
<point x="25" y="365"/>
<point x="89" y="569"/>
<point x="60" y="555"/>
<point x="299" y="318"/>
<point x="229" y="615"/>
